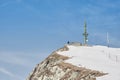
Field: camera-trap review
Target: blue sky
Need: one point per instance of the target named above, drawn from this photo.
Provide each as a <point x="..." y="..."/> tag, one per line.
<point x="31" y="29"/>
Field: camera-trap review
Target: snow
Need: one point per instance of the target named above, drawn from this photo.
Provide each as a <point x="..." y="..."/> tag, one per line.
<point x="99" y="58"/>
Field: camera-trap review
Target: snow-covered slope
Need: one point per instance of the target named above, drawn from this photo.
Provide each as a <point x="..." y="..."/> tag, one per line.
<point x="98" y="58"/>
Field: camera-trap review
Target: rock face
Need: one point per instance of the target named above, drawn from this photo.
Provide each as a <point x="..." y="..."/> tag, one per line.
<point x="54" y="68"/>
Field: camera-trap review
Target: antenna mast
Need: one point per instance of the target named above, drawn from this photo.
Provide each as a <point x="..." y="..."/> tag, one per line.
<point x="85" y="34"/>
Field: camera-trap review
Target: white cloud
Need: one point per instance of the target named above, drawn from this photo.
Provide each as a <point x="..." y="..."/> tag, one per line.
<point x="15" y="59"/>
<point x="20" y="61"/>
<point x="6" y="72"/>
<point x="10" y="74"/>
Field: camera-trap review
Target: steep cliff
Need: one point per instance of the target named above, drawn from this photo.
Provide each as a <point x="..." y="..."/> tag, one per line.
<point x="55" y="67"/>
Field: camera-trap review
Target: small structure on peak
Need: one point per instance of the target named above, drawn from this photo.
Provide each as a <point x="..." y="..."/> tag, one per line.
<point x="74" y="43"/>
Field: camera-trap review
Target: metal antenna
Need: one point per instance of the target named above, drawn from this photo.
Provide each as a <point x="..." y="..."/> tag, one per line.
<point x="85" y="34"/>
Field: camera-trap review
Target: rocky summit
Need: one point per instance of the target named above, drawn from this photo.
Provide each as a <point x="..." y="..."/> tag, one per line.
<point x="55" y="67"/>
<point x="76" y="62"/>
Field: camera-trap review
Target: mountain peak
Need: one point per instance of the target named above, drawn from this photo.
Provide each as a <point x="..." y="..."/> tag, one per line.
<point x="76" y="62"/>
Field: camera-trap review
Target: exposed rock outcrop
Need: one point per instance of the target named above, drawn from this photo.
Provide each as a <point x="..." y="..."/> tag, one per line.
<point x="54" y="68"/>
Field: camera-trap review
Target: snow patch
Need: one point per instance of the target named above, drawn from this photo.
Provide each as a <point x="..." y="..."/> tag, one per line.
<point x="99" y="58"/>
